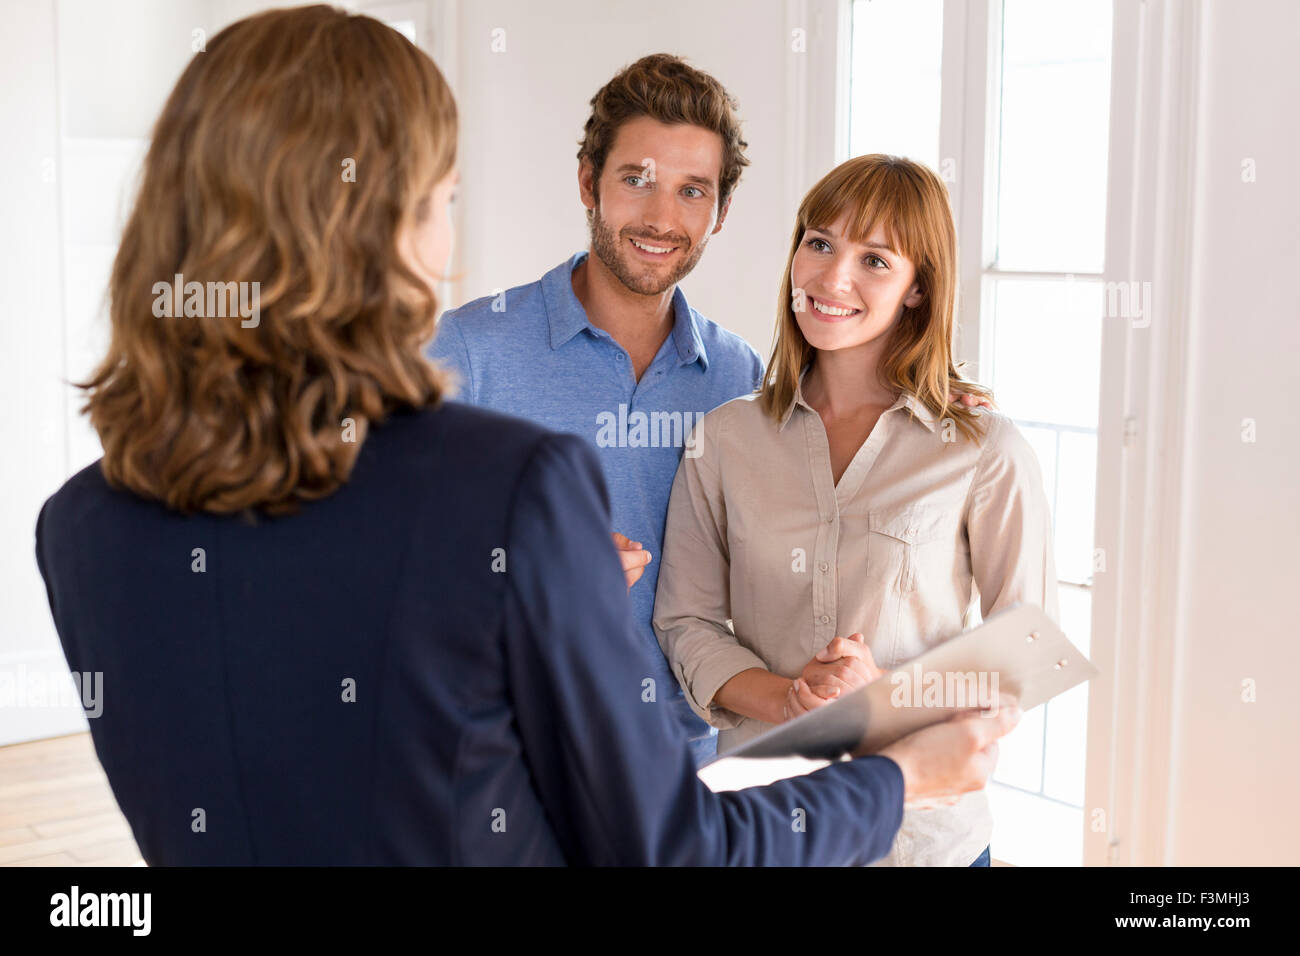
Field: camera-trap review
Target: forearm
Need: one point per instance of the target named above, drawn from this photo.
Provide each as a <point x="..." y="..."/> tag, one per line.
<point x="756" y="693"/>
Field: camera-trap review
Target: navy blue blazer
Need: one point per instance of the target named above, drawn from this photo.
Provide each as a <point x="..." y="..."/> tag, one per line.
<point x="436" y="664"/>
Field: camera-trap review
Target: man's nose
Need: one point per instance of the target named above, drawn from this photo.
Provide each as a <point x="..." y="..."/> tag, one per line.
<point x="659" y="213"/>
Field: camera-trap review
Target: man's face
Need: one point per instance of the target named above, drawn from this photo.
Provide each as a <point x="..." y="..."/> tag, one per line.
<point x="656" y="203"/>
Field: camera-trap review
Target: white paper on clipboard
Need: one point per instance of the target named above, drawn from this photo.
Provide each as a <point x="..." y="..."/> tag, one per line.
<point x="1018" y="650"/>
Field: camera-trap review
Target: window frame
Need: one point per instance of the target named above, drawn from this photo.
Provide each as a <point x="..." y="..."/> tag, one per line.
<point x="1157" y="51"/>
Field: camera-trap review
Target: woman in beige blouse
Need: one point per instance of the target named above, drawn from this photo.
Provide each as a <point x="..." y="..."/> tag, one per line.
<point x="842" y="520"/>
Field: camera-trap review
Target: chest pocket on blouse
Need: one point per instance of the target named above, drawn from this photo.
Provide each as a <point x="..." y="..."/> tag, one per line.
<point x="899" y="542"/>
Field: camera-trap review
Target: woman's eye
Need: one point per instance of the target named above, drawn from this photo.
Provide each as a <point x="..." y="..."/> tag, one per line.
<point x="878" y="259"/>
<point x="817" y="244"/>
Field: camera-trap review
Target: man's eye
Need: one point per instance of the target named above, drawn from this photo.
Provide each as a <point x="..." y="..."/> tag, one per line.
<point x="696" y="190"/>
<point x="633" y="181"/>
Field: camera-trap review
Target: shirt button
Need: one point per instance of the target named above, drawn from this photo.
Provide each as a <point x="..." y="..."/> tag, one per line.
<point x="830" y="518"/>
<point x="826" y="618"/>
<point x="823" y="566"/>
<point x="621" y="356"/>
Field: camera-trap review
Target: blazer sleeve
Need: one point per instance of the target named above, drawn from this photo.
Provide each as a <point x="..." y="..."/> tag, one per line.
<point x="614" y="772"/>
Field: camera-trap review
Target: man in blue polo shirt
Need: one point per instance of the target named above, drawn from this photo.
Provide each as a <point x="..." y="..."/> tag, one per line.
<point x="605" y="345"/>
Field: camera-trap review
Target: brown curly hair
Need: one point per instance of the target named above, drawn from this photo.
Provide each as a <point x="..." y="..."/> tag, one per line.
<point x="245" y="181"/>
<point x="666" y="88"/>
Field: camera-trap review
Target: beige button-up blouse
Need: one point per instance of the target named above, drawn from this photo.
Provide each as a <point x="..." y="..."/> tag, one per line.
<point x="766" y="559"/>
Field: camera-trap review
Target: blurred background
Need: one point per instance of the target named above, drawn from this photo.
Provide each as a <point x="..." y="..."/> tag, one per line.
<point x="1122" y="176"/>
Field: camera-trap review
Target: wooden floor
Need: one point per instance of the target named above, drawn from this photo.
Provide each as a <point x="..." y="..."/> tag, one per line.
<point x="56" y="808"/>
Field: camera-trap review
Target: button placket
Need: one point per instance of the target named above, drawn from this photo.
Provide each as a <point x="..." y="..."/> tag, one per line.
<point x="825" y="606"/>
<point x="824" y="609"/>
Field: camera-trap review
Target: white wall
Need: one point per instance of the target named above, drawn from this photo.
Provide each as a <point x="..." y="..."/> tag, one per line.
<point x="1236" y="780"/>
<point x="1193" y="721"/>
<point x="84" y="82"/>
<point x="33" y="444"/>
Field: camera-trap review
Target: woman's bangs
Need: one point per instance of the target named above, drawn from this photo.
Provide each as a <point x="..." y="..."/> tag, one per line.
<point x="870" y="202"/>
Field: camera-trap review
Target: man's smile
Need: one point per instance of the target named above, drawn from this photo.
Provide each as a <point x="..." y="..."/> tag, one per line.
<point x="652" y="250"/>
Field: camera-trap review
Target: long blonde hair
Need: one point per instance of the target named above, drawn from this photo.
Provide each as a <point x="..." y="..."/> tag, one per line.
<point x="246" y="183"/>
<point x="911" y="204"/>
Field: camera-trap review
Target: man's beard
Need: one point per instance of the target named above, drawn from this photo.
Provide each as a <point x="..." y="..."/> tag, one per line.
<point x="641" y="279"/>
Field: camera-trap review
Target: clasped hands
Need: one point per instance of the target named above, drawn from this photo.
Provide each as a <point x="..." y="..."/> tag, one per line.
<point x="843" y="665"/>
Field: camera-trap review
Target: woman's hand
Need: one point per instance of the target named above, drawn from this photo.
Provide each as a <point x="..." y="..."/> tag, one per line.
<point x="843" y="665"/>
<point x="800" y="699"/>
<point x="633" y="556"/>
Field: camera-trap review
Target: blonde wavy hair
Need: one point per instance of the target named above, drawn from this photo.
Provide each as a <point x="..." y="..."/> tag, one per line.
<point x="910" y="203"/>
<point x="245" y="181"/>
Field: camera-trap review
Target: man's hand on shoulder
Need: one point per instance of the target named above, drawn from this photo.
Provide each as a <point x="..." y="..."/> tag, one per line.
<point x="969" y="400"/>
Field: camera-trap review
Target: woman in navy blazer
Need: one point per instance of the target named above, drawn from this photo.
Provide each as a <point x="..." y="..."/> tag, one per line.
<point x="339" y="619"/>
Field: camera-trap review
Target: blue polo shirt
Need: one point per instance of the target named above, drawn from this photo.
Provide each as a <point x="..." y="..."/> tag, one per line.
<point x="531" y="351"/>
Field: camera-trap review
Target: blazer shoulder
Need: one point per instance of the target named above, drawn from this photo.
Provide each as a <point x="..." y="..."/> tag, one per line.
<point x="65" y="514"/>
<point x="86" y="483"/>
<point x="474" y="447"/>
<point x="464" y="429"/>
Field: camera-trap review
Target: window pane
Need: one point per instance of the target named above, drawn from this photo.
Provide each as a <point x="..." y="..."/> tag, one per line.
<point x="1046" y="355"/>
<point x="1031" y="831"/>
<point x="1054" y="122"/>
<point x="1076" y="495"/>
<point x="1067" y="715"/>
<point x="894" y="79"/>
<point x="1076" y="617"/>
<point x="1020" y="753"/>
<point x="1047" y="748"/>
<point x="1044" y="442"/>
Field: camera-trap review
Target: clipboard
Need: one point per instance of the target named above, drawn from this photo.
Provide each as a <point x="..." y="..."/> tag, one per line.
<point x="1018" y="650"/>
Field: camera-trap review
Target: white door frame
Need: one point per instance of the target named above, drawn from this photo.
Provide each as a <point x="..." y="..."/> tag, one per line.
<point x="1143" y="438"/>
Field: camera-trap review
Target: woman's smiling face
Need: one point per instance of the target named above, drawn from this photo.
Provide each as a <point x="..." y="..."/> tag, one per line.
<point x="846" y="293"/>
